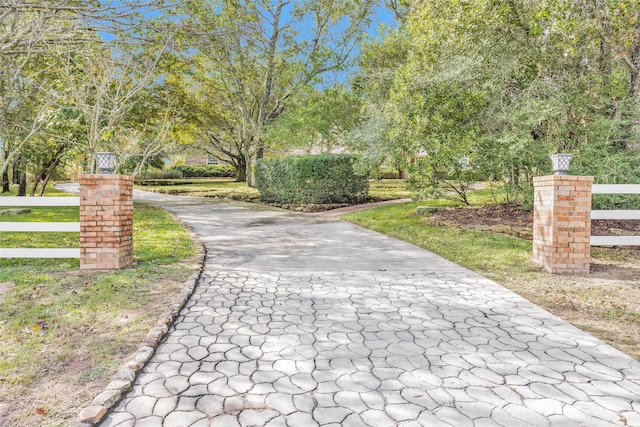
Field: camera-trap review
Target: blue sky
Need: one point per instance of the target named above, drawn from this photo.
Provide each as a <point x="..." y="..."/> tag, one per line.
<point x="381" y="16"/>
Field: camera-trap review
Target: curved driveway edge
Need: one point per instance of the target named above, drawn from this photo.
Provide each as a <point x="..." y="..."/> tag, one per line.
<point x="123" y="379"/>
<point x="303" y="320"/>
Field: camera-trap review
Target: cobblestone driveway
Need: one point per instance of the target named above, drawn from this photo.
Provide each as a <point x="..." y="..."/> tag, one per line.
<point x="436" y="347"/>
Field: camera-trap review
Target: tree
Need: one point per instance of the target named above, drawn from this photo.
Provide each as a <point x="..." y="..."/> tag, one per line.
<point x="378" y="64"/>
<point x="316" y="121"/>
<point x="249" y="60"/>
<point x="106" y="86"/>
<point x="39" y="43"/>
<point x="499" y="84"/>
<point x="26" y="83"/>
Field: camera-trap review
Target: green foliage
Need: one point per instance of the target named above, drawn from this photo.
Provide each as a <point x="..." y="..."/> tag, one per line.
<point x="249" y="61"/>
<point x="373" y="139"/>
<point x="310" y="179"/>
<point x="138" y="165"/>
<point x="504" y="84"/>
<point x="609" y="166"/>
<point x="169" y="174"/>
<point x="446" y="181"/>
<point x="316" y="120"/>
<point x="206" y="171"/>
<point x="383" y="189"/>
<point x="387" y="173"/>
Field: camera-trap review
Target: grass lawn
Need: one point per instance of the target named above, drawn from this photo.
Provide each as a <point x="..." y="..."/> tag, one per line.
<point x="388" y="189"/>
<point x="64" y="332"/>
<point x="605" y="303"/>
<point x="206" y="187"/>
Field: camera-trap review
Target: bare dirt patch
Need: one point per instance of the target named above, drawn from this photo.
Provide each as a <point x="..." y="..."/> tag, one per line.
<point x="511" y="215"/>
<point x="605" y="303"/>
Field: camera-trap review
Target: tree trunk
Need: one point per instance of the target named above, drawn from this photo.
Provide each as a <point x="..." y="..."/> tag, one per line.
<point x="48" y="176"/>
<point x="36" y="181"/>
<point x="45" y="182"/>
<point x="20" y="175"/>
<point x="22" y="185"/>
<point x="15" y="176"/>
<point x="5" y="175"/>
<point x="5" y="182"/>
<point x="241" y="173"/>
<point x="238" y="163"/>
<point x="251" y="165"/>
<point x="250" y="178"/>
<point x="47" y="169"/>
<point x="605" y="68"/>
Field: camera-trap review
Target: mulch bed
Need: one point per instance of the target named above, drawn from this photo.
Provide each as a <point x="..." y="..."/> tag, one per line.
<point x="513" y="215"/>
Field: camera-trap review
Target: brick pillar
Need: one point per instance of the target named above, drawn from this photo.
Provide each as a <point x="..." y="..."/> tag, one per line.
<point x="562" y="223"/>
<point x="106" y="221"/>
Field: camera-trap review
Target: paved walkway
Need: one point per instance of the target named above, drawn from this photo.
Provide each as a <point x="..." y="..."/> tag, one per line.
<point x="304" y="320"/>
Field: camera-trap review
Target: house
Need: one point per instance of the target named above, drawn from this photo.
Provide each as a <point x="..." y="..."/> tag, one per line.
<point x="203" y="159"/>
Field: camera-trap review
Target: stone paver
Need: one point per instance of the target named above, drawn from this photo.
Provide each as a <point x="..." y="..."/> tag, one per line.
<point x="384" y="335"/>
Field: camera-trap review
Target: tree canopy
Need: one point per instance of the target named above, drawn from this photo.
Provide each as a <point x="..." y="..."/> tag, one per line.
<point x="497" y="85"/>
<point x="72" y="76"/>
<point x="247" y="61"/>
<point x="456" y="90"/>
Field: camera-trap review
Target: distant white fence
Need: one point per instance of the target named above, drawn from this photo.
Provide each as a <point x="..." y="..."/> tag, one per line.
<point x="615" y="214"/>
<point x="48" y="227"/>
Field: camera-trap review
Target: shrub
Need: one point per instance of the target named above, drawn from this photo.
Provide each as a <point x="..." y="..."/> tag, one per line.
<point x="170" y="174"/>
<point x="206" y="171"/>
<point x="388" y="173"/>
<point x="452" y="181"/>
<point x="380" y="172"/>
<point x="310" y="179"/>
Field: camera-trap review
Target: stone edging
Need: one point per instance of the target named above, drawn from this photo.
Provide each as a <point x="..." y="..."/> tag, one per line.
<point x="122" y="381"/>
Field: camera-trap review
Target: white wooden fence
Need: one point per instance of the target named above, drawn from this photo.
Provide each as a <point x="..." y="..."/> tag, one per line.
<point x="40" y="227"/>
<point x="615" y="214"/>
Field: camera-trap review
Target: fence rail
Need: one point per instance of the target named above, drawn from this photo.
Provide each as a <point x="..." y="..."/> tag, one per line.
<point x="39" y="252"/>
<point x="30" y="227"/>
<point x="615" y="214"/>
<point x="40" y="201"/>
<point x="45" y="227"/>
<point x="615" y="189"/>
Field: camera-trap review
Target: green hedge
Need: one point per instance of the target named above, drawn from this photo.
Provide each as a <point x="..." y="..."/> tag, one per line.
<point x="310" y="179"/>
<point x="166" y="182"/>
<point x="170" y="174"/>
<point x="388" y="173"/>
<point x="206" y="171"/>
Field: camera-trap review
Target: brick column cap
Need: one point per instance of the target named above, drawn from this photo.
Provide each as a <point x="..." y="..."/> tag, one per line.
<point x="555" y="178"/>
<point x="102" y="176"/>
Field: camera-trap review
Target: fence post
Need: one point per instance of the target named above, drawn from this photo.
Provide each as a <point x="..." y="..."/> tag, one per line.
<point x="562" y="223"/>
<point x="106" y="221"/>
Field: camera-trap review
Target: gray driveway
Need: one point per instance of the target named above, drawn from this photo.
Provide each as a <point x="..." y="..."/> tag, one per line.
<point x="303" y="320"/>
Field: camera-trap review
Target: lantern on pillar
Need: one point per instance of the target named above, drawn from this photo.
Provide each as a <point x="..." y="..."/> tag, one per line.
<point x="106" y="162"/>
<point x="560" y="163"/>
